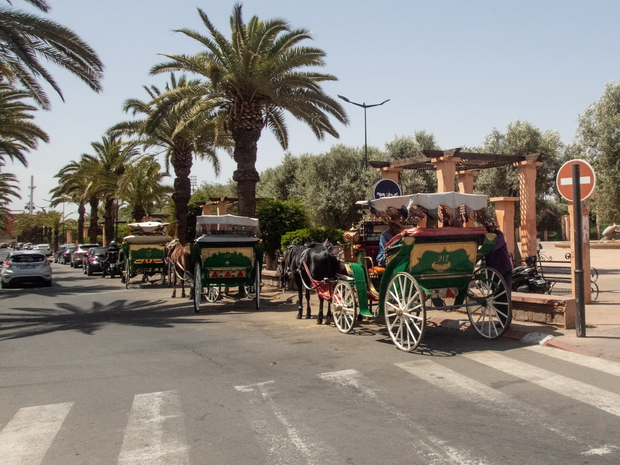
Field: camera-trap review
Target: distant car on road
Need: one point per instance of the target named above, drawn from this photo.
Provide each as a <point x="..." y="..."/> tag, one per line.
<point x="93" y="260"/>
<point x="26" y="266"/>
<point x="64" y="253"/>
<point x="78" y="254"/>
<point x="43" y="248"/>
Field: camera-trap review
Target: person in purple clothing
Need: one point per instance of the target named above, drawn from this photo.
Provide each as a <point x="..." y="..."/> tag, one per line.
<point x="498" y="257"/>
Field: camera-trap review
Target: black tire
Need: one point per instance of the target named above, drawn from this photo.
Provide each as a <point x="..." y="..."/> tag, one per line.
<point x="48" y="283"/>
<point x="89" y="271"/>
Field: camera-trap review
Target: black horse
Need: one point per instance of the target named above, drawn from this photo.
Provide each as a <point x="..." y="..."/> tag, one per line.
<point x="309" y="265"/>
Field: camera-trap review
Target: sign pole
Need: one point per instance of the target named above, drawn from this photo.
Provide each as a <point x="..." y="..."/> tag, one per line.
<point x="580" y="320"/>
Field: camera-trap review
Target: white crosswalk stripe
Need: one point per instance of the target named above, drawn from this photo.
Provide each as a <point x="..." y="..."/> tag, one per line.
<point x="155" y="431"/>
<point x="595" y="363"/>
<point x="285" y="440"/>
<point x="29" y="434"/>
<point x="591" y="395"/>
<point x="433" y="449"/>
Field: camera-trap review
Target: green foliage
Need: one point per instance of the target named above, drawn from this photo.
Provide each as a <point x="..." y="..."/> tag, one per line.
<point x="278" y="217"/>
<point x="598" y="133"/>
<point x="414" y="181"/>
<point x="303" y="236"/>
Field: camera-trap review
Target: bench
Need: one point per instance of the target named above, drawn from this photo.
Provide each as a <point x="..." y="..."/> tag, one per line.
<point x="556" y="272"/>
<point x="544" y="308"/>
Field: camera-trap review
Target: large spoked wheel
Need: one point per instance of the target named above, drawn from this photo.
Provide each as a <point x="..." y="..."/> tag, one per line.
<point x="405" y="312"/>
<point x="257" y="270"/>
<point x="344" y="307"/>
<point x="127" y="275"/>
<point x="488" y="303"/>
<point x="197" y="287"/>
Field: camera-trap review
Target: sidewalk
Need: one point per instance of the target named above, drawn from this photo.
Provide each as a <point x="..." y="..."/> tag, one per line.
<point x="602" y="338"/>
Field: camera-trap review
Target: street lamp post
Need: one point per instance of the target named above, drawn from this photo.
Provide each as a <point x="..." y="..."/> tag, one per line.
<point x="364" y="106"/>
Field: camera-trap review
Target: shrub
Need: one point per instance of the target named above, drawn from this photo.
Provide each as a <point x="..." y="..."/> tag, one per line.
<point x="303" y="236"/>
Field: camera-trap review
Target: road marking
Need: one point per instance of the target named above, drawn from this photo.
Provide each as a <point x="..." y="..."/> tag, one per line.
<point x="591" y="395"/>
<point x="155" y="431"/>
<point x="595" y="363"/>
<point x="26" y="438"/>
<point x="429" y="448"/>
<point x="285" y="442"/>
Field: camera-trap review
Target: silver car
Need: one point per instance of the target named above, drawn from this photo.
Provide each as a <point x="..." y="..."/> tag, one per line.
<point x="25" y="266"/>
<point x="78" y="254"/>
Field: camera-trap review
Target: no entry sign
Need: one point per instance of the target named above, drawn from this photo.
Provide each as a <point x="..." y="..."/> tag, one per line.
<point x="587" y="179"/>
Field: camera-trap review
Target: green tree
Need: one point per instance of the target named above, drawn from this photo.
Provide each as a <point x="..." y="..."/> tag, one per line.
<point x="414" y="181"/>
<point x="141" y="187"/>
<point x="276" y="218"/>
<point x="180" y="137"/>
<point x="8" y="188"/>
<point x="521" y="138"/>
<point x="73" y="186"/>
<point x="253" y="79"/>
<point x="104" y="170"/>
<point x="25" y="39"/>
<point x="598" y="133"/>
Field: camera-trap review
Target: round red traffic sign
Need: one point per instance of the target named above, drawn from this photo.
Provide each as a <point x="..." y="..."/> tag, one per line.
<point x="587" y="179"/>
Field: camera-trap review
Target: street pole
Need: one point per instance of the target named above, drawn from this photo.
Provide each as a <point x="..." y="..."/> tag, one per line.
<point x="580" y="317"/>
<point x="364" y="106"/>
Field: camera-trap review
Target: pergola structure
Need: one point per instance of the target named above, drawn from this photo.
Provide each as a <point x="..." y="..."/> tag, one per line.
<point x="456" y="166"/>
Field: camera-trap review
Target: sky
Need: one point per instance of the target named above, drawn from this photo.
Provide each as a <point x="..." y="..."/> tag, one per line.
<point x="456" y="69"/>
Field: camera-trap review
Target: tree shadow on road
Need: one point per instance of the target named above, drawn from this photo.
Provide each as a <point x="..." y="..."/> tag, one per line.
<point x="26" y="322"/>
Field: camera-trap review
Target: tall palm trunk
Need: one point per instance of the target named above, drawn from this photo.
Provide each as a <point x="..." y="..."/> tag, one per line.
<point x="108" y="218"/>
<point x="93" y="228"/>
<point x="80" y="222"/>
<point x="138" y="212"/>
<point x="246" y="140"/>
<point x="182" y="164"/>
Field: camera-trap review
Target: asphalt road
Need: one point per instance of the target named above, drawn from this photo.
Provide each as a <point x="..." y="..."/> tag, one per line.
<point x="93" y="373"/>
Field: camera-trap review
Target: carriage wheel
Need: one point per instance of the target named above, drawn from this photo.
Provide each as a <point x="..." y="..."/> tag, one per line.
<point x="257" y="269"/>
<point x="488" y="303"/>
<point x="345" y="307"/>
<point x="213" y="293"/>
<point x="197" y="287"/>
<point x="405" y="312"/>
<point x="127" y="275"/>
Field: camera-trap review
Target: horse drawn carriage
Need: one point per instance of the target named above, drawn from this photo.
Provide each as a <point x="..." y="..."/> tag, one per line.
<point x="428" y="268"/>
<point x="143" y="251"/>
<point x="227" y="252"/>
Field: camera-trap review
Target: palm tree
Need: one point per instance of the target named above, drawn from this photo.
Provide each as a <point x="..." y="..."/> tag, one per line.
<point x="141" y="187"/>
<point x="8" y="188"/>
<point x="18" y="135"/>
<point x="180" y="139"/>
<point x="73" y="186"/>
<point x="104" y="171"/>
<point x="253" y="79"/>
<point x="25" y="37"/>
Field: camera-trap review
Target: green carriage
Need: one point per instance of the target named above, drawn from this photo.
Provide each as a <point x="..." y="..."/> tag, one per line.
<point x="144" y="252"/>
<point x="428" y="268"/>
<point x="227" y="252"/>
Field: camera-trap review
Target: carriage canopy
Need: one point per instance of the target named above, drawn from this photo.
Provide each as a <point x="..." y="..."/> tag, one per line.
<point x="214" y="228"/>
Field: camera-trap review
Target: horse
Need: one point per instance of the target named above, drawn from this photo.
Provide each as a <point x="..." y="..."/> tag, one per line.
<point x="180" y="264"/>
<point x="309" y="265"/>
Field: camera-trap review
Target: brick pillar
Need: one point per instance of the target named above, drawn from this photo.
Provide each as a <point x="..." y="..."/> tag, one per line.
<point x="221" y="207"/>
<point x="466" y="181"/>
<point x="585" y="248"/>
<point x="505" y="212"/>
<point x="527" y="195"/>
<point x="69" y="237"/>
<point x="446" y="171"/>
<point x="390" y="173"/>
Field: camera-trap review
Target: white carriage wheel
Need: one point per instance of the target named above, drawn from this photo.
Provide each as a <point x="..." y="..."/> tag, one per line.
<point x="213" y="293"/>
<point x="344" y="307"/>
<point x="197" y="287"/>
<point x="405" y="312"/>
<point x="489" y="307"/>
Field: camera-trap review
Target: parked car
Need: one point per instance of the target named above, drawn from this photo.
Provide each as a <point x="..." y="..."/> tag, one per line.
<point x="64" y="254"/>
<point x="93" y="260"/>
<point x="43" y="248"/>
<point x="26" y="266"/>
<point x="4" y="245"/>
<point x="78" y="254"/>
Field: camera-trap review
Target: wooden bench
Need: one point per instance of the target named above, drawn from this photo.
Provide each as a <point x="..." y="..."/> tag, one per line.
<point x="544" y="308"/>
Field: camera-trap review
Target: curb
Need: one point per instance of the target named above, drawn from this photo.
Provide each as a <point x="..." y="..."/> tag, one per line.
<point x="524" y="337"/>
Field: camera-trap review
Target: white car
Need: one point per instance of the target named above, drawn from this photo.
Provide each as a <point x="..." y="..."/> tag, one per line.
<point x="43" y="248"/>
<point x="26" y="266"/>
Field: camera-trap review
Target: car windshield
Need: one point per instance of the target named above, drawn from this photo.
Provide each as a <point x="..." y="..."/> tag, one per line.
<point x="27" y="258"/>
<point x="99" y="250"/>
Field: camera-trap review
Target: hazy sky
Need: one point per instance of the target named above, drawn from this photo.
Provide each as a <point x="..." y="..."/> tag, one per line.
<point x="456" y="69"/>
